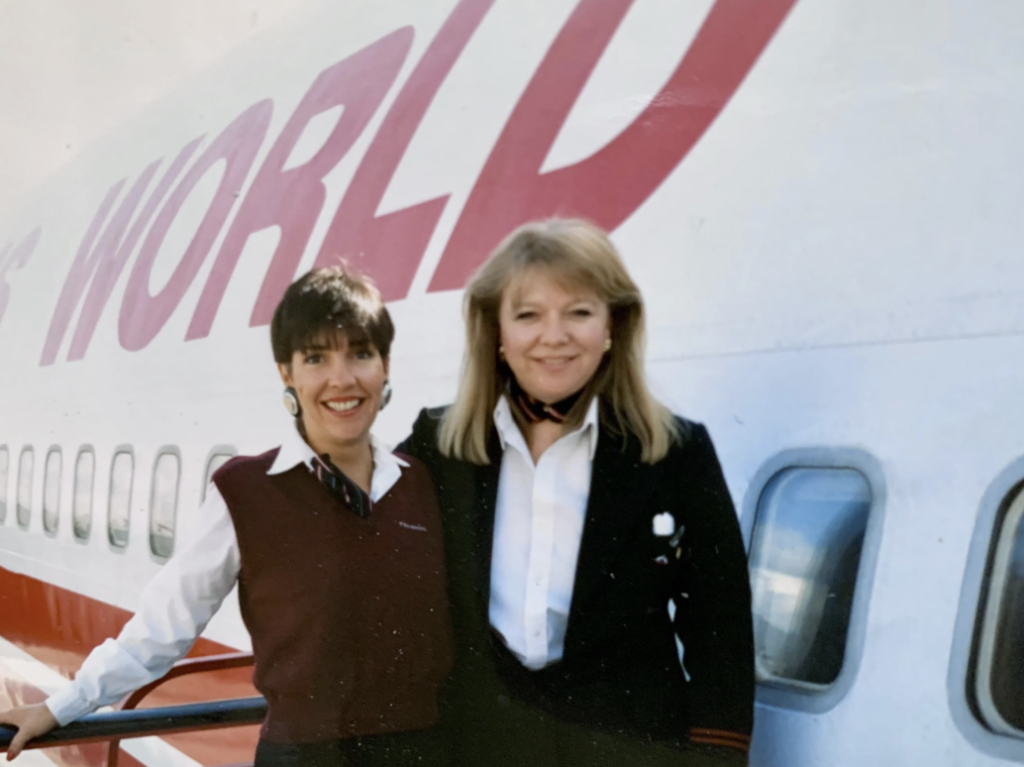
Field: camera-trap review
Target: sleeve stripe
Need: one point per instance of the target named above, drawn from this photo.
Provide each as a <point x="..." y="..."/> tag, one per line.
<point x="717" y="742"/>
<point x="720" y="738"/>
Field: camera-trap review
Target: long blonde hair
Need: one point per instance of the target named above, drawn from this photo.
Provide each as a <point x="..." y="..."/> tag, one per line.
<point x="578" y="254"/>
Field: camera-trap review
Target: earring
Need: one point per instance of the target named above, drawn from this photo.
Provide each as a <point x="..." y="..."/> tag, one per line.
<point x="607" y="344"/>
<point x="291" y="402"/>
<point x="385" y="394"/>
<point x="501" y="352"/>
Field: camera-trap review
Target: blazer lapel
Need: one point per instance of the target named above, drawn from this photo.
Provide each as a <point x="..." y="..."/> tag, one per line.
<point x="619" y="487"/>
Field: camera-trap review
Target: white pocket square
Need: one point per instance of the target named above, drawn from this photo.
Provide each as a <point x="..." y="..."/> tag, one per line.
<point x="664" y="524"/>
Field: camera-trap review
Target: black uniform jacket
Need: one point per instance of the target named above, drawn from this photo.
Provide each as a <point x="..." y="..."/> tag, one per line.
<point x="620" y="672"/>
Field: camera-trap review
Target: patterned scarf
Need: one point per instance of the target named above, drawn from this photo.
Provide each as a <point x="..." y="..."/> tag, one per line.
<point x="533" y="410"/>
<point x="341" y="487"/>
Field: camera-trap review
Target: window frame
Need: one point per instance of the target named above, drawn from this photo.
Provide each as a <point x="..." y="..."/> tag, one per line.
<point x="988" y="613"/>
<point x="796" y="695"/>
<point x="994" y="506"/>
<point x="82" y="449"/>
<point x="229" y="450"/>
<point x="60" y="474"/>
<point x="162" y="451"/>
<point x="111" y="546"/>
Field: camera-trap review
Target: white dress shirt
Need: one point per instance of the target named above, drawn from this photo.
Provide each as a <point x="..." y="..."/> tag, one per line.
<point x="178" y="603"/>
<point x="538" y="525"/>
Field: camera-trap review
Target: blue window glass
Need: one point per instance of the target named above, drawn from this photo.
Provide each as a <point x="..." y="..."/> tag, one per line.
<point x="163" y="504"/>
<point x="81" y="504"/>
<point x="51" y="490"/>
<point x="804" y="562"/>
<point x="120" y="500"/>
<point x="26" y="473"/>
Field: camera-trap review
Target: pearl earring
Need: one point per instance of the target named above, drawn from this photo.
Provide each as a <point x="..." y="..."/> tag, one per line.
<point x="607" y="344"/>
<point x="291" y="402"/>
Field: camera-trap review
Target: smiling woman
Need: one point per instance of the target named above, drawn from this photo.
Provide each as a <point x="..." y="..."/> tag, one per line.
<point x="615" y="627"/>
<point x="346" y="602"/>
<point x="331" y="336"/>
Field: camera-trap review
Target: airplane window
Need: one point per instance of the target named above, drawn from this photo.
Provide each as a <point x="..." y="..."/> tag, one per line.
<point x="118" y="512"/>
<point x="26" y="468"/>
<point x="51" y="490"/>
<point x="804" y="558"/>
<point x="163" y="504"/>
<point x="999" y="675"/>
<point x="4" y="464"/>
<point x="216" y="461"/>
<point x="81" y="504"/>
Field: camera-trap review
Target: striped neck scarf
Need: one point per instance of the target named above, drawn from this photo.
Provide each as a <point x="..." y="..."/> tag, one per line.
<point x="341" y="487"/>
<point x="533" y="410"/>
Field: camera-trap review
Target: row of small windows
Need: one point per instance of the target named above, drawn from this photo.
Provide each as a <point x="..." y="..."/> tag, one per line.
<point x="163" y="501"/>
<point x="806" y="552"/>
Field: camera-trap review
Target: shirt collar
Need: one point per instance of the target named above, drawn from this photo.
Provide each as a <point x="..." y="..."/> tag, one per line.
<point x="387" y="467"/>
<point x="508" y="429"/>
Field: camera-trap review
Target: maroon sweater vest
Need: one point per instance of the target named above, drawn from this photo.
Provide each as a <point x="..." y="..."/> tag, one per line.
<point x="348" y="617"/>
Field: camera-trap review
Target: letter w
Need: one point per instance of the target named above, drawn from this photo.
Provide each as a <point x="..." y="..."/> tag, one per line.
<point x="98" y="268"/>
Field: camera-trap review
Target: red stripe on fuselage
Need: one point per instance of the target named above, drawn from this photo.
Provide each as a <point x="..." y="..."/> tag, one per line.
<point x="59" y="628"/>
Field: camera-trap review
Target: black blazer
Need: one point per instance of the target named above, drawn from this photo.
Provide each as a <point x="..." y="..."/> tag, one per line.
<point x="620" y="671"/>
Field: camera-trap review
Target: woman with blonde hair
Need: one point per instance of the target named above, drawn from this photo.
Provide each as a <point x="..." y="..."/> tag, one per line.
<point x="597" y="573"/>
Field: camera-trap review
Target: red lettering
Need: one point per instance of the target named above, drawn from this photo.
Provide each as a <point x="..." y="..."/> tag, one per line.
<point x="17" y="260"/>
<point x="143" y="315"/>
<point x="610" y="185"/>
<point x="389" y="247"/>
<point x="292" y="199"/>
<point x="98" y="268"/>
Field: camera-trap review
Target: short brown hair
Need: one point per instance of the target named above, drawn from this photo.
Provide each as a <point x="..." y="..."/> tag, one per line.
<point x="323" y="301"/>
<point x="578" y="254"/>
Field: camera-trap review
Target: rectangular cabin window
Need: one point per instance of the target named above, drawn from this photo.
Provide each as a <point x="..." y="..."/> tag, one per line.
<point x="999" y="674"/>
<point x="51" y="490"/>
<point x="119" y="510"/>
<point x="5" y="461"/>
<point x="163" y="504"/>
<point x="804" y="561"/>
<point x="26" y="470"/>
<point x="81" y="504"/>
<point x="215" y="462"/>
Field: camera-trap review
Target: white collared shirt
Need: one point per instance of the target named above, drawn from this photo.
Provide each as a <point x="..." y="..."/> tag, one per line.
<point x="538" y="525"/>
<point x="176" y="605"/>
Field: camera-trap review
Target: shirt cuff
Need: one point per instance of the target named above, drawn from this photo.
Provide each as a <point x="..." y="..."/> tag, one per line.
<point x="66" y="705"/>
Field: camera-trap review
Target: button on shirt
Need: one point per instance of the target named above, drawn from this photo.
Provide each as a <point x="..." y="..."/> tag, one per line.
<point x="538" y="526"/>
<point x="181" y="599"/>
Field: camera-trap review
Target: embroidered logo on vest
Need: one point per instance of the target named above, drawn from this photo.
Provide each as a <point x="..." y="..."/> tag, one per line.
<point x="407" y="526"/>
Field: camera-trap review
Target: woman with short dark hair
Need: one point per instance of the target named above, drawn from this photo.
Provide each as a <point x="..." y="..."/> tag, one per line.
<point x="335" y="544"/>
<point x="598" y="577"/>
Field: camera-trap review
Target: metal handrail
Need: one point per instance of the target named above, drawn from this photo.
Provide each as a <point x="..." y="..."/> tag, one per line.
<point x="132" y="722"/>
<point x="137" y="723"/>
